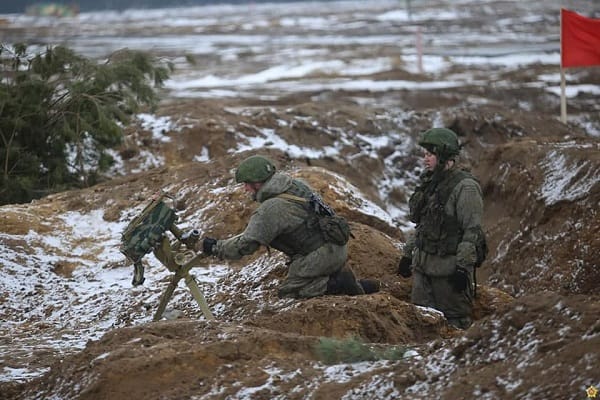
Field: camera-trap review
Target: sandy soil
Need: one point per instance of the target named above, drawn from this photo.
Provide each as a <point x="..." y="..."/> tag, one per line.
<point x="536" y="334"/>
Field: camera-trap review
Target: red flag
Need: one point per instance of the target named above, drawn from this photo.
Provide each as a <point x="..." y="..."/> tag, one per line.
<point x="580" y="40"/>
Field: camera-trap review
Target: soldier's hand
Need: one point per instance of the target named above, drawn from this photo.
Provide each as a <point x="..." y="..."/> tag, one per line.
<point x="208" y="244"/>
<point x="404" y="269"/>
<point x="459" y="279"/>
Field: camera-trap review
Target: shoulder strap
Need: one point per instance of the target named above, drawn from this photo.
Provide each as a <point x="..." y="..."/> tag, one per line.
<point x="291" y="197"/>
<point x="314" y="204"/>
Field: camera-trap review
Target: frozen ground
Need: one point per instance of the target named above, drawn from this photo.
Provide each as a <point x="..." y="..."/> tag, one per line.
<point x="333" y="85"/>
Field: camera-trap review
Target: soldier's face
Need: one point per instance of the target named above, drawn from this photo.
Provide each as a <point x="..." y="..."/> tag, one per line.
<point x="252" y="188"/>
<point x="429" y="160"/>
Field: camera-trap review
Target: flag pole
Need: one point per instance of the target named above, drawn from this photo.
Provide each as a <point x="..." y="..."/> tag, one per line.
<point x="563" y="100"/>
<point x="419" y="50"/>
<point x="563" y="84"/>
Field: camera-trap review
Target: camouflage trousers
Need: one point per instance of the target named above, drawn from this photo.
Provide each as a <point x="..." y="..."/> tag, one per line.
<point x="308" y="275"/>
<point x="438" y="293"/>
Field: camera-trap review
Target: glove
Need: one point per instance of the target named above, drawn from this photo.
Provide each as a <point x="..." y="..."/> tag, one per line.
<point x="207" y="245"/>
<point x="404" y="269"/>
<point x="459" y="279"/>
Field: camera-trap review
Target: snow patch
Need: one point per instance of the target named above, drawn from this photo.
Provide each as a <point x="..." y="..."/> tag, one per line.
<point x="565" y="179"/>
<point x="159" y="126"/>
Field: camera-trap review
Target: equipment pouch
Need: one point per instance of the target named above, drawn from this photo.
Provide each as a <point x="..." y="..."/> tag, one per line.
<point x="335" y="229"/>
<point x="481" y="248"/>
<point x="416" y="203"/>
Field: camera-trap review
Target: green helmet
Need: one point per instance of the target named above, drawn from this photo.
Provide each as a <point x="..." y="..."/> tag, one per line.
<point x="442" y="142"/>
<point x="254" y="169"/>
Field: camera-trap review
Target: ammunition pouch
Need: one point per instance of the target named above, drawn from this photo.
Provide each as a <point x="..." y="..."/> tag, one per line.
<point x="416" y="204"/>
<point x="439" y="234"/>
<point x="418" y="199"/>
<point x="335" y="229"/>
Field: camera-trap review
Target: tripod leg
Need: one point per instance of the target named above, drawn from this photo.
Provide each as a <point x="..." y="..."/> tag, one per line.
<point x="165" y="297"/>
<point x="191" y="283"/>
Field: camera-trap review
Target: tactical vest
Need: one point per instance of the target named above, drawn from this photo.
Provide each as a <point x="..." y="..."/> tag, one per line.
<point x="437" y="232"/>
<point x="306" y="237"/>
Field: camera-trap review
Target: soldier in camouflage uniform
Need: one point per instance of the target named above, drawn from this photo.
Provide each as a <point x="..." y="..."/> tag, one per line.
<point x="447" y="208"/>
<point x="316" y="267"/>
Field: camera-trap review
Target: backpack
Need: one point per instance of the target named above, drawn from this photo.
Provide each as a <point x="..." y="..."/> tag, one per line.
<point x="335" y="228"/>
<point x="145" y="230"/>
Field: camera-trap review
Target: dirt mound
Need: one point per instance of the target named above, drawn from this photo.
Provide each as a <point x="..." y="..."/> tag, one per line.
<point x="540" y="225"/>
<point x="270" y="354"/>
<point x="177" y="359"/>
<point x="544" y="346"/>
<point x="542" y="214"/>
<point x="532" y="347"/>
<point x="167" y="353"/>
<point x="74" y="328"/>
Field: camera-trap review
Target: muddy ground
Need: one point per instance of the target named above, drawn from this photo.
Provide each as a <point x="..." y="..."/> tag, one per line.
<point x="536" y="333"/>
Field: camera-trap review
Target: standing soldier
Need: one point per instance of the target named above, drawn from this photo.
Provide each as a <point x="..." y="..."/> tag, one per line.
<point x="286" y="220"/>
<point x="448" y="242"/>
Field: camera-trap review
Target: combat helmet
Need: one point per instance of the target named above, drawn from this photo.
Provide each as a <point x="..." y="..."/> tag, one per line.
<point x="254" y="169"/>
<point x="442" y="142"/>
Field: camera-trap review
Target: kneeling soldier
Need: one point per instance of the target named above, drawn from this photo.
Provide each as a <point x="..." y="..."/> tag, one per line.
<point x="286" y="220"/>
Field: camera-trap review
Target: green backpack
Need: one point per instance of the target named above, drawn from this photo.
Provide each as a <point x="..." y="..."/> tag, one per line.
<point x="145" y="230"/>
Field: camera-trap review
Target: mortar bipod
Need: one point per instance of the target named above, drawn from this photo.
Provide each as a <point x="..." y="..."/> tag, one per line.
<point x="179" y="263"/>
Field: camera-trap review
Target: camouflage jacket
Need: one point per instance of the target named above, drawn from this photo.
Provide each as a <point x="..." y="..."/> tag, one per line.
<point x="279" y="223"/>
<point x="465" y="207"/>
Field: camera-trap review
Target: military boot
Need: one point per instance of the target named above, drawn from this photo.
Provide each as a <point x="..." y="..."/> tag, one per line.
<point x="370" y="285"/>
<point x="344" y="282"/>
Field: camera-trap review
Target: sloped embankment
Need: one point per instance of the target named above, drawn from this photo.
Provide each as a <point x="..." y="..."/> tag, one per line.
<point x="541" y="184"/>
<point x="262" y="347"/>
<point x="260" y="329"/>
